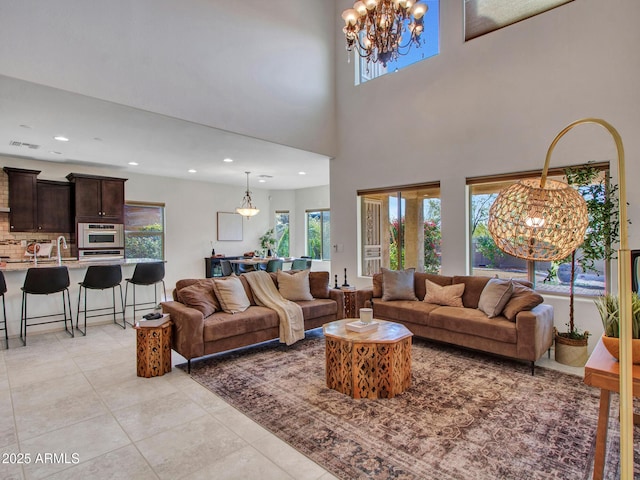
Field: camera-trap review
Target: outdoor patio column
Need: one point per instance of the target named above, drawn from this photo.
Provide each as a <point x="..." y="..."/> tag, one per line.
<point x="414" y="232"/>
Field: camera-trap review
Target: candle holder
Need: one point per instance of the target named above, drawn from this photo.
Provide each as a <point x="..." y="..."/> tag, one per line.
<point x="345" y="284"/>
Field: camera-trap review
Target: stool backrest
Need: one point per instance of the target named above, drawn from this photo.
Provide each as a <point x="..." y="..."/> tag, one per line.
<point x="274" y="265"/>
<point x="300" y="264"/>
<point x="102" y="276"/>
<point x="3" y="284"/>
<point x="43" y="281"/>
<point x="148" y="273"/>
<point x="226" y="268"/>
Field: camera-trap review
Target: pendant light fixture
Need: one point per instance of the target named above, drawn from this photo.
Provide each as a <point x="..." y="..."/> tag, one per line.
<point x="247" y="209"/>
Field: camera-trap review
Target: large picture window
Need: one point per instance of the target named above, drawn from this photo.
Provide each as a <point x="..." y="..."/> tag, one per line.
<point x="144" y="230"/>
<point x="551" y="277"/>
<point x="400" y="228"/>
<point x="319" y="234"/>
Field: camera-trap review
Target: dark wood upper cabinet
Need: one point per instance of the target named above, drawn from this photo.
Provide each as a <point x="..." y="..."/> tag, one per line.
<point x="23" y="199"/>
<point x="98" y="199"/>
<point x="54" y="206"/>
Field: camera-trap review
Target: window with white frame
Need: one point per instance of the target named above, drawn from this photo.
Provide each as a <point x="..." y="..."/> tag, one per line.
<point x="319" y="234"/>
<point x="282" y="233"/>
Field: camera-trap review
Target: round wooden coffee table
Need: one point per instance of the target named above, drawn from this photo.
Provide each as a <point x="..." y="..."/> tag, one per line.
<point x="374" y="364"/>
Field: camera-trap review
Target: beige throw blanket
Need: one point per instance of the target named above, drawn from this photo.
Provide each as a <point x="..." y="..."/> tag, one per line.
<point x="267" y="295"/>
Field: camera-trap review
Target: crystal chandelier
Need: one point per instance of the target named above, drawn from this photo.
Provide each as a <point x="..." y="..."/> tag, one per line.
<point x="374" y="28"/>
<point x="247" y="209"/>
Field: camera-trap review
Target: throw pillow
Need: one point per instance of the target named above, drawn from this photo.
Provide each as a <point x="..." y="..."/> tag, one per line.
<point x="294" y="286"/>
<point x="495" y="296"/>
<point x="523" y="299"/>
<point x="200" y="296"/>
<point x="449" y="295"/>
<point x="231" y="294"/>
<point x="398" y="284"/>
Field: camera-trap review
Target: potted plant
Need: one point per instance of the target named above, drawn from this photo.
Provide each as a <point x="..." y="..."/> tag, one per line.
<point x="602" y="208"/>
<point x="609" y="308"/>
<point x="268" y="242"/>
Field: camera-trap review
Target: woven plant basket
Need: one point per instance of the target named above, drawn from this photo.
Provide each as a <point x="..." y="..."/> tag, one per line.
<point x="569" y="351"/>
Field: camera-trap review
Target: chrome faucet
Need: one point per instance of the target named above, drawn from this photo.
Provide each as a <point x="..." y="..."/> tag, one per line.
<point x="64" y="245"/>
<point x="36" y="249"/>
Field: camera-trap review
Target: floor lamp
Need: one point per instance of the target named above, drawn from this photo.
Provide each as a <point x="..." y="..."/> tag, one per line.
<point x="542" y="220"/>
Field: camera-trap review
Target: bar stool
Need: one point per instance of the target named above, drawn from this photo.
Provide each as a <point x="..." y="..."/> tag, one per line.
<point x="3" y="290"/>
<point x="145" y="274"/>
<point x="101" y="277"/>
<point x="45" y="281"/>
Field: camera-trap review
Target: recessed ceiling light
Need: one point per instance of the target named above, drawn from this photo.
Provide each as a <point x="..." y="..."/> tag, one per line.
<point x="228" y="160"/>
<point x="133" y="163"/>
<point x="97" y="139"/>
<point x="191" y="170"/>
<point x="55" y="153"/>
<point x="60" y="138"/>
<point x="262" y="180"/>
<point x="302" y="173"/>
<point x="25" y="126"/>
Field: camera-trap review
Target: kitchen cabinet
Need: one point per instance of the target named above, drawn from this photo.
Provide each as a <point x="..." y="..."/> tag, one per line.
<point x="97" y="199"/>
<point x="54" y="206"/>
<point x="23" y="199"/>
<point x="38" y="205"/>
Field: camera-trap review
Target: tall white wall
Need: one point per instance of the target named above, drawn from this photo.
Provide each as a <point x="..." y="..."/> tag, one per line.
<point x="263" y="69"/>
<point x="492" y="105"/>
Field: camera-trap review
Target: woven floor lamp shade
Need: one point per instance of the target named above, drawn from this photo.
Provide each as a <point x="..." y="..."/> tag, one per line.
<point x="535" y="222"/>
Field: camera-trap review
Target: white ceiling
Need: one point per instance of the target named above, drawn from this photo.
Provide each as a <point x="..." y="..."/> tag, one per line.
<point x="104" y="134"/>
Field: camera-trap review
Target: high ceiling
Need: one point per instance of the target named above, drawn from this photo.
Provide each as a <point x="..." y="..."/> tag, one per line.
<point x="104" y="134"/>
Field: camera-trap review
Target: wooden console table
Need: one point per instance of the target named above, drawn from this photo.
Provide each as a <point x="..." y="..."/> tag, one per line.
<point x="603" y="371"/>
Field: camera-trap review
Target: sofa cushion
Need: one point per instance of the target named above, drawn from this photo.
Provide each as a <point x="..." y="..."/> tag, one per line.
<point x="223" y="325"/>
<point x="420" y="285"/>
<point x="450" y="295"/>
<point x="473" y="286"/>
<point x="472" y="321"/>
<point x="377" y="285"/>
<point x="398" y="284"/>
<point x="522" y="299"/>
<point x="319" y="307"/>
<point x="231" y="294"/>
<point x="180" y="284"/>
<point x="200" y="295"/>
<point x="319" y="284"/>
<point x="403" y="311"/>
<point x="294" y="286"/>
<point x="495" y="295"/>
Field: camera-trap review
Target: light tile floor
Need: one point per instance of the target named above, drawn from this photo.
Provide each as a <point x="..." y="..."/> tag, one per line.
<point x="80" y="399"/>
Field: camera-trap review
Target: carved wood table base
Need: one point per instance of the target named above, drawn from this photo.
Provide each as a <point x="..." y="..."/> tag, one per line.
<point x="153" y="350"/>
<point x="374" y="364"/>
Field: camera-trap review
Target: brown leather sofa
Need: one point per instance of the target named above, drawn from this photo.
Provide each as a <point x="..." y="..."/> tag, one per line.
<point x="526" y="338"/>
<point x="194" y="336"/>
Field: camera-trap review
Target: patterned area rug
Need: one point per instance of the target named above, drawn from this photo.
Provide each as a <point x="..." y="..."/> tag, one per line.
<point x="466" y="416"/>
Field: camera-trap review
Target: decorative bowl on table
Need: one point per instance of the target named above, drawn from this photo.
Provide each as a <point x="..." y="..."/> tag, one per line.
<point x="612" y="344"/>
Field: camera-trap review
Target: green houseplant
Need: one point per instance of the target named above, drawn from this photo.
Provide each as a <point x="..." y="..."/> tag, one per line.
<point x="603" y="231"/>
<point x="609" y="309"/>
<point x="268" y="242"/>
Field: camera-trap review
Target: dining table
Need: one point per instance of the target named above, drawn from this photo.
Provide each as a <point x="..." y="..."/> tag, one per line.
<point x="256" y="262"/>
